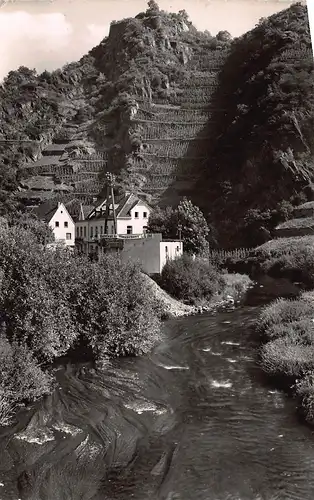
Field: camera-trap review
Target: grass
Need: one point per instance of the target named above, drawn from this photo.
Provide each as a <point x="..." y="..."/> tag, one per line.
<point x="302" y="222"/>
<point x="290" y="257"/>
<point x="287" y="327"/>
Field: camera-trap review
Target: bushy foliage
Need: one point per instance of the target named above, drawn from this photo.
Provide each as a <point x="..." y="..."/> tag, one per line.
<point x="52" y="301"/>
<point x="21" y="377"/>
<point x="191" y="280"/>
<point x="186" y="220"/>
<point x="113" y="310"/>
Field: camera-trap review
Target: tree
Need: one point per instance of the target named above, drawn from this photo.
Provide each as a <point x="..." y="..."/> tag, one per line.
<point x="153" y="6"/>
<point x="40" y="230"/>
<point x="186" y="220"/>
<point x="224" y="36"/>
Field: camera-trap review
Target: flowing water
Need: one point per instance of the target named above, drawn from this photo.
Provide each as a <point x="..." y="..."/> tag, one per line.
<point x="194" y="420"/>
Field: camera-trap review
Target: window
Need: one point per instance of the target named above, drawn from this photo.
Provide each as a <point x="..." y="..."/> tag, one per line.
<point x="178" y="248"/>
<point x="68" y="236"/>
<point x="167" y="255"/>
<point x="57" y="223"/>
<point x="84" y="231"/>
<point x="166" y="248"/>
<point x="145" y="215"/>
<point x="91" y="232"/>
<point x="81" y="231"/>
<point x="77" y="231"/>
<point x="96" y="231"/>
<point x="66" y="224"/>
<point x="136" y="215"/>
<point x="101" y="230"/>
<point x="129" y="230"/>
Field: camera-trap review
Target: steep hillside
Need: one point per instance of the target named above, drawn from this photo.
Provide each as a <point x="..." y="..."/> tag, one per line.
<point x="158" y="75"/>
<point x="34" y="109"/>
<point x="262" y="145"/>
<point x="172" y="112"/>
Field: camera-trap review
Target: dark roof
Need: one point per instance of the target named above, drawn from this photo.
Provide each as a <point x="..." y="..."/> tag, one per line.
<point x="128" y="203"/>
<point x="46" y="210"/>
<point x="124" y="204"/>
<point x="85" y="210"/>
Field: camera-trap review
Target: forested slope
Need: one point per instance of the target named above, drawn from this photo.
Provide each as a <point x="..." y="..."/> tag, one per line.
<point x="261" y="151"/>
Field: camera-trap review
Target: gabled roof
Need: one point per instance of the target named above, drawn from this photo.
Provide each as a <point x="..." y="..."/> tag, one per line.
<point x="46" y="210"/>
<point x="85" y="210"/>
<point x="123" y="205"/>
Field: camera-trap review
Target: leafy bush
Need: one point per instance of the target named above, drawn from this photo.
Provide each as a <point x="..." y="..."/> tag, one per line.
<point x="51" y="301"/>
<point x="114" y="312"/>
<point x="190" y="280"/>
<point x="21" y="377"/>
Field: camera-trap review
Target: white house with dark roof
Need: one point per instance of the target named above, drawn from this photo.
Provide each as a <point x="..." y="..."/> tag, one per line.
<point x="58" y="218"/>
<point x="131" y="240"/>
<point x="132" y="215"/>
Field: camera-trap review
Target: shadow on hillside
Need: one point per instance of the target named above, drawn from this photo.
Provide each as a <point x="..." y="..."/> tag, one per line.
<point x="189" y="169"/>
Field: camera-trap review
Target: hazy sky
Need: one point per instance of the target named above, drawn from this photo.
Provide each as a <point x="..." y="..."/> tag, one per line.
<point x="48" y="33"/>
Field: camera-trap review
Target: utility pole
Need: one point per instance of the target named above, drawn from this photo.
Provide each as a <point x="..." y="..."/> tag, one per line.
<point x="110" y="178"/>
<point x="179" y="231"/>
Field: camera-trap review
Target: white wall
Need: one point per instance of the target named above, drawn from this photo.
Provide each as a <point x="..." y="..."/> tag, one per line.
<point x="169" y="250"/>
<point x="144" y="251"/>
<point x="62" y="217"/>
<point x="138" y="224"/>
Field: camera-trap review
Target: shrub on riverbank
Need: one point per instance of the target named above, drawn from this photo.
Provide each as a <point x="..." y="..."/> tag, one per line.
<point x="288" y="351"/>
<point x="291" y="257"/>
<point x="191" y="280"/>
<point x="50" y="301"/>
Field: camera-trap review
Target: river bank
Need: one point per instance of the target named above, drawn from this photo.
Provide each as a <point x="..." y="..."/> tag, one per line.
<point x="287" y="352"/>
<point x="191" y="419"/>
<point x="235" y="287"/>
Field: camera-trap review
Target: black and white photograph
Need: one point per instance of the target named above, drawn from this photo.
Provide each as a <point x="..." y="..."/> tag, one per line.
<point x="156" y="250"/>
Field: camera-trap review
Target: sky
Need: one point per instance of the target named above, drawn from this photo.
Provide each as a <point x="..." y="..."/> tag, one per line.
<point x="46" y="34"/>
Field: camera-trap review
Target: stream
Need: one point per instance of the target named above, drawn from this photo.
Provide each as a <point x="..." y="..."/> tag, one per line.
<point x="194" y="420"/>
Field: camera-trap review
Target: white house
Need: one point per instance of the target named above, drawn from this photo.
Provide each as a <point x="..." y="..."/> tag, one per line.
<point x="130" y="240"/>
<point x="131" y="212"/>
<point x="58" y="218"/>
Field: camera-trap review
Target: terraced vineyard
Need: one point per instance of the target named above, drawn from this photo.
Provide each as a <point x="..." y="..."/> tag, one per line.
<point x="175" y="133"/>
<point x="78" y="176"/>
